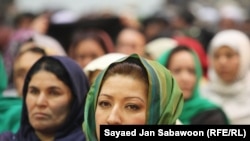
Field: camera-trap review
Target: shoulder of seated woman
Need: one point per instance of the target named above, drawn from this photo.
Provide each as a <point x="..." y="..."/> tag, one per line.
<point x="212" y="116"/>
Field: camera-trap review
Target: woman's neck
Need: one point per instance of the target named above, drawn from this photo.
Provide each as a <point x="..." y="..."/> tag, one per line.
<point x="45" y="136"/>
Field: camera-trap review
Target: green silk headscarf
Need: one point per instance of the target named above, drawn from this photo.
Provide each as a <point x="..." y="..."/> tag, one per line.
<point x="165" y="99"/>
<point x="10" y="107"/>
<point x="196" y="103"/>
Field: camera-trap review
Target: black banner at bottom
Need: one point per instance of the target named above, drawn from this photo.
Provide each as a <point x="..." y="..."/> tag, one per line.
<point x="160" y="132"/>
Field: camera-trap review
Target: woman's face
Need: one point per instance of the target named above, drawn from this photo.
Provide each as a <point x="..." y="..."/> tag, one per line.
<point x="21" y="68"/>
<point x="48" y="102"/>
<point x="226" y="63"/>
<point x="86" y="51"/>
<point x="130" y="41"/>
<point x="122" y="100"/>
<point x="183" y="69"/>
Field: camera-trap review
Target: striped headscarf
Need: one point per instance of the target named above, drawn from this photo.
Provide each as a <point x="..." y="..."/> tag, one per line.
<point x="165" y="99"/>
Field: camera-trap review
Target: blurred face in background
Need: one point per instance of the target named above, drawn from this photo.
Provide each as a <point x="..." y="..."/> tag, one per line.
<point x="178" y="23"/>
<point x="226" y="23"/>
<point x="40" y="24"/>
<point x="5" y="35"/>
<point x="86" y="51"/>
<point x="21" y="67"/>
<point x="130" y="41"/>
<point x="226" y="63"/>
<point x="182" y="66"/>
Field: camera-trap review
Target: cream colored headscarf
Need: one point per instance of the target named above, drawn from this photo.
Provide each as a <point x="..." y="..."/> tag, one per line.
<point x="234" y="97"/>
<point x="102" y="62"/>
<point x="48" y="43"/>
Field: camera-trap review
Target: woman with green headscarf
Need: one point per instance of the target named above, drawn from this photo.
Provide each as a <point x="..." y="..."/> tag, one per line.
<point x="132" y="90"/>
<point x="184" y="64"/>
<point x="10" y="107"/>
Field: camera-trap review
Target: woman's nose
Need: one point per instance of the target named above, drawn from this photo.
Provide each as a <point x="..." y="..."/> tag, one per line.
<point x="114" y="118"/>
<point x="41" y="100"/>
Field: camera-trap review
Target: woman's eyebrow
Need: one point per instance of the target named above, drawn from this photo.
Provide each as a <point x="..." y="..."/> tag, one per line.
<point x="133" y="97"/>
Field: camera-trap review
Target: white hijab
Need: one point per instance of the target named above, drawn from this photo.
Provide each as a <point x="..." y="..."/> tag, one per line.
<point x="102" y="62"/>
<point x="234" y="98"/>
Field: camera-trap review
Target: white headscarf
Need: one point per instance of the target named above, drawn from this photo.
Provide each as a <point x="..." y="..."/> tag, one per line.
<point x="102" y="62"/>
<point x="46" y="42"/>
<point x="237" y="41"/>
<point x="233" y="97"/>
<point x="50" y="44"/>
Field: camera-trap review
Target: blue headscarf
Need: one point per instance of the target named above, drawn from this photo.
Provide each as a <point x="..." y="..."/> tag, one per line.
<point x="71" y="130"/>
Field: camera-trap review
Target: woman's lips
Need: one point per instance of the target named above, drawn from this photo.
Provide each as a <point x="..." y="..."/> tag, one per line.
<point x="40" y="115"/>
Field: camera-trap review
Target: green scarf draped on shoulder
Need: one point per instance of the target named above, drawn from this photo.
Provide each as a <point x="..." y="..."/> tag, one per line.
<point x="3" y="75"/>
<point x="196" y="103"/>
<point x="165" y="99"/>
<point x="10" y="107"/>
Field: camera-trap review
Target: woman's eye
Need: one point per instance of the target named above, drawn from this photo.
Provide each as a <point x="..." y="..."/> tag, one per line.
<point x="176" y="71"/>
<point x="55" y="93"/>
<point x="104" y="104"/>
<point x="21" y="75"/>
<point x="133" y="107"/>
<point x="216" y="56"/>
<point x="192" y="71"/>
<point x="33" y="91"/>
<point x="229" y="55"/>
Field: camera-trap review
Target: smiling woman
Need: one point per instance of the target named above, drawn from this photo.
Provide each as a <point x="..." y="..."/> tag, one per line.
<point x="54" y="95"/>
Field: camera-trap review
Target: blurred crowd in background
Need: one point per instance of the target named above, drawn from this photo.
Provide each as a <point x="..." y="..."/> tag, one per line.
<point x="85" y="30"/>
<point x="59" y="19"/>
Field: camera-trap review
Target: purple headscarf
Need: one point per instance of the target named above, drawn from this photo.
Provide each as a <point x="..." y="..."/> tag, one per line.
<point x="71" y="130"/>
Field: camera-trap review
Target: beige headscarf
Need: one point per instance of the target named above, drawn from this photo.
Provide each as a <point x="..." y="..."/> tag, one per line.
<point x="101" y="63"/>
<point x="235" y="97"/>
<point x="48" y="43"/>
